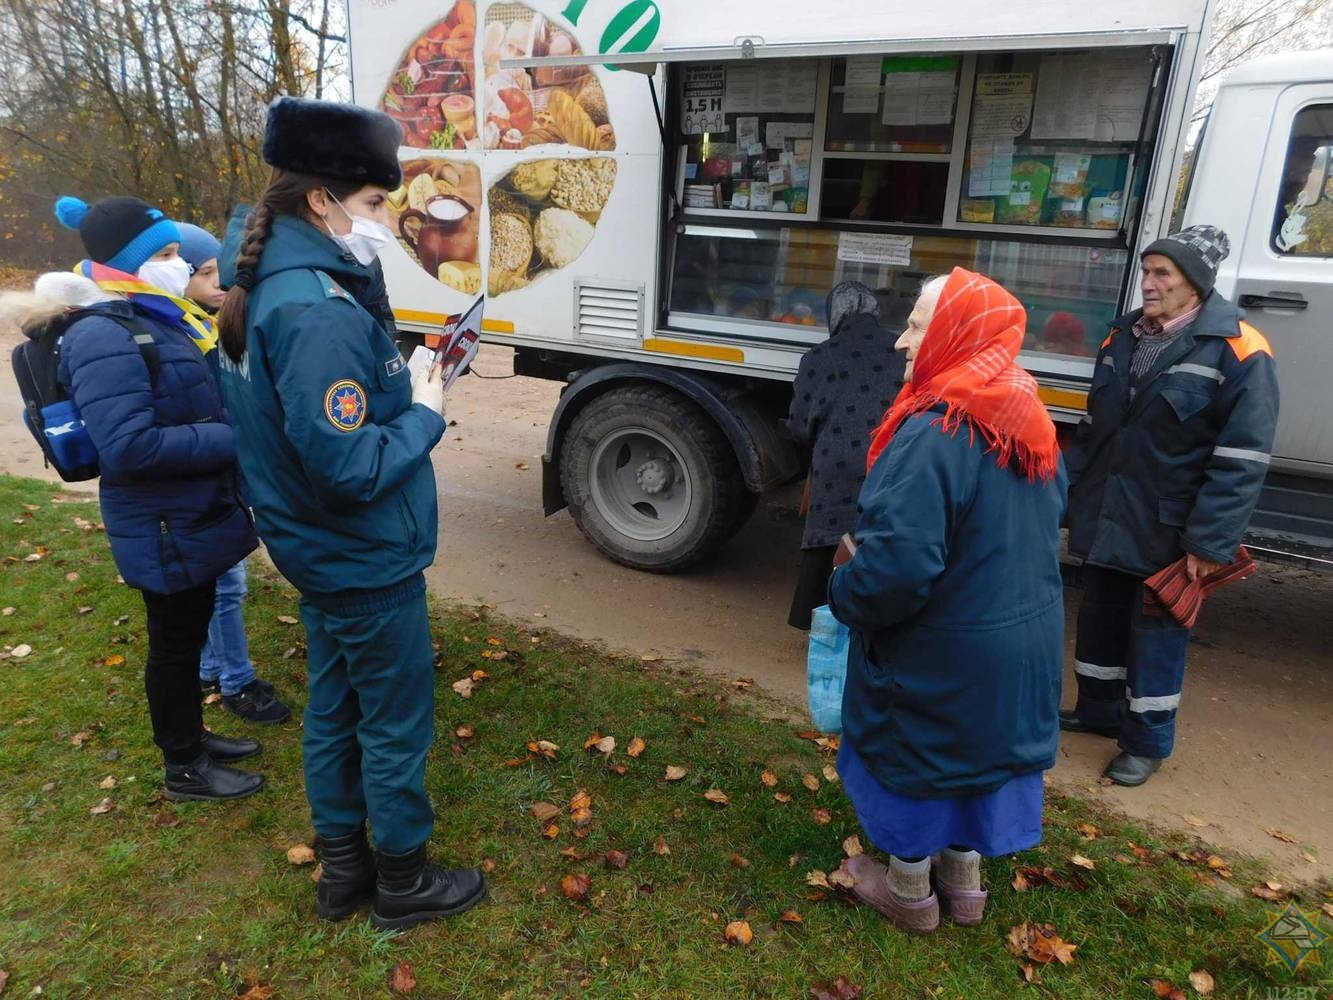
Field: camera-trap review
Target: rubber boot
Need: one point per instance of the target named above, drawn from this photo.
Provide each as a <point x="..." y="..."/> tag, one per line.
<point x="347" y="875"/>
<point x="410" y="891"/>
<point x="204" y="780"/>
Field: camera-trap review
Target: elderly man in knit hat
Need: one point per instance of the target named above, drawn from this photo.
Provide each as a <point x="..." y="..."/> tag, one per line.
<point x="1167" y="464"/>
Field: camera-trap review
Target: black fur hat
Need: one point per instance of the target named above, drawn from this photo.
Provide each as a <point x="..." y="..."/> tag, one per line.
<point x="342" y="142"/>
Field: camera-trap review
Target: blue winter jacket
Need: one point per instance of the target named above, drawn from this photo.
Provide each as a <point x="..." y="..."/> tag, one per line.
<point x="954" y="600"/>
<point x="169" y="488"/>
<point x="336" y="456"/>
<point x="1177" y="466"/>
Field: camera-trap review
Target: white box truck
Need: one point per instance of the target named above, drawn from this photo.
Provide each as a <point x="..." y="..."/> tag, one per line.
<point x="657" y="196"/>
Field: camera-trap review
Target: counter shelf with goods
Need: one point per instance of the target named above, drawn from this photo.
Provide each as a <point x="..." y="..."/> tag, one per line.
<point x="761" y="282"/>
<point x="1037" y="158"/>
<point x="762" y="160"/>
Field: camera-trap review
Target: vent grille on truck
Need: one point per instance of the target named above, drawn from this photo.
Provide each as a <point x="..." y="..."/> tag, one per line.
<point x="608" y="312"/>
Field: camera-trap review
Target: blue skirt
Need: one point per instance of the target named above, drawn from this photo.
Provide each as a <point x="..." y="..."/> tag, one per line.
<point x="1000" y="822"/>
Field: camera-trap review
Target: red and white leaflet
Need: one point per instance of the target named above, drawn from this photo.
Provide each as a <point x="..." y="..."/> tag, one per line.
<point x="460" y="343"/>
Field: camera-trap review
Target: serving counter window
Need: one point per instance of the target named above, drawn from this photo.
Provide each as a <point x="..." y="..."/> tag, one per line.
<point x="891" y="169"/>
<point x="1051" y="138"/>
<point x="749" y="136"/>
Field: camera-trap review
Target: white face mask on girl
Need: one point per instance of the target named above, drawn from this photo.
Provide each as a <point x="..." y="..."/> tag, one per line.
<point x="366" y="239"/>
<point x="169" y="275"/>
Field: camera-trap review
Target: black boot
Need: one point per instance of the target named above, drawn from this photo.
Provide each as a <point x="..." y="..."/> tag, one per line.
<point x="347" y="875"/>
<point x="203" y="780"/>
<point x="228" y="751"/>
<point x="410" y="891"/>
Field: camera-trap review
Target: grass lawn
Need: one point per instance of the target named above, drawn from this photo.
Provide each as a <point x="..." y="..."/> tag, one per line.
<point x="154" y="899"/>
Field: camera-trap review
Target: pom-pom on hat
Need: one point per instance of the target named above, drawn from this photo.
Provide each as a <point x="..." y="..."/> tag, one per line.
<point x="198" y="246"/>
<point x="339" y="141"/>
<point x="119" y="232"/>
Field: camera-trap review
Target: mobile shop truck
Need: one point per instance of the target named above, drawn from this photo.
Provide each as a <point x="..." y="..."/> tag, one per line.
<point x="657" y="197"/>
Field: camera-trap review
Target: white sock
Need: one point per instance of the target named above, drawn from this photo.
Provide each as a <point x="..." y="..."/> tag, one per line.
<point x="909" y="880"/>
<point x="960" y="869"/>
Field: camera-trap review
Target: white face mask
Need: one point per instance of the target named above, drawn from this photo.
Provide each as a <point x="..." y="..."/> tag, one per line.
<point x="366" y="239"/>
<point x="169" y="275"/>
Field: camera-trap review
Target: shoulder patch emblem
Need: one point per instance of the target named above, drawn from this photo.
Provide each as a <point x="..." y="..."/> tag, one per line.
<point x="333" y="290"/>
<point x="393" y="366"/>
<point x="345" y="405"/>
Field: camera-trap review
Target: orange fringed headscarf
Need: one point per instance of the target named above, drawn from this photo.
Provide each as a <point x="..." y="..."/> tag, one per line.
<point x="967" y="361"/>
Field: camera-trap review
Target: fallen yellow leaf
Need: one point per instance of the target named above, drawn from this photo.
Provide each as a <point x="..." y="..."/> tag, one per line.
<point x="300" y="854"/>
<point x="852" y="846"/>
<point x="738" y="932"/>
<point x="464" y="687"/>
<point x="103" y="807"/>
<point x="636" y="747"/>
<point x="660" y="847"/>
<point x="716" y="795"/>
<point x="1202" y="982"/>
<point x="810" y="782"/>
<point x="769" y="778"/>
<point x="288" y="620"/>
<point x="544" y="811"/>
<point x="674" y="773"/>
<point x="1083" y="862"/>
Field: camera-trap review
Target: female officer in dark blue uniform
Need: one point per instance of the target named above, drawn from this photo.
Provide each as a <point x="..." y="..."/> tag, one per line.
<point x="334" y="438"/>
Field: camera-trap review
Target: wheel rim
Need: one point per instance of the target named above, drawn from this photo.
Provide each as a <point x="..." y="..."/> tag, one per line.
<point x="639" y="484"/>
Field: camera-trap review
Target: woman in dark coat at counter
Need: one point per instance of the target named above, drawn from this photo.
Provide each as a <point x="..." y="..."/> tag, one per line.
<point x="842" y="389"/>
<point x="954" y="600"/>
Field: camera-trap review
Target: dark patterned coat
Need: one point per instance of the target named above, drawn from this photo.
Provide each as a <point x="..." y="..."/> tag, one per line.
<point x="842" y="389"/>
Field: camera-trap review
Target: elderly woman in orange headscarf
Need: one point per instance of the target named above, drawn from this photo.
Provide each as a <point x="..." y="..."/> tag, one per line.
<point x="954" y="601"/>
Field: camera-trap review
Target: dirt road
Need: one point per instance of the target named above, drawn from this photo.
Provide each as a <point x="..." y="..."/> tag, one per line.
<point x="1256" y="726"/>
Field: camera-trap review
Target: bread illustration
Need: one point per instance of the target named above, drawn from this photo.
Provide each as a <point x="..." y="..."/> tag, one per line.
<point x="571" y="121"/>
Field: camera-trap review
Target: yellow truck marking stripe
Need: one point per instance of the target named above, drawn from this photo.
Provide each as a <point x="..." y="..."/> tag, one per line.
<point x="1068" y="398"/>
<point x="439" y="319"/>
<point x="711" y="351"/>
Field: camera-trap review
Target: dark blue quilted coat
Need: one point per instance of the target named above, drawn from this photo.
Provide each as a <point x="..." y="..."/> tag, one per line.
<point x="169" y="487"/>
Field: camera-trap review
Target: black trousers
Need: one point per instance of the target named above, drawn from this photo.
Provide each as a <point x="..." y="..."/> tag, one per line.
<point x="177" y="631"/>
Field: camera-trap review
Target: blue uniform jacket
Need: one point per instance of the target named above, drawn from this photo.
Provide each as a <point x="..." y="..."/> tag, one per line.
<point x="1178" y="467"/>
<point x="335" y="455"/>
<point x="955" y="605"/>
<point x="169" y="488"/>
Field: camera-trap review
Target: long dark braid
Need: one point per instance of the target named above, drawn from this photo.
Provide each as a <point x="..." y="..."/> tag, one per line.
<point x="285" y="195"/>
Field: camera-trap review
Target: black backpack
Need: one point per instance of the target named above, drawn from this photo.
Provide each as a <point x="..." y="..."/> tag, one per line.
<point x="48" y="412"/>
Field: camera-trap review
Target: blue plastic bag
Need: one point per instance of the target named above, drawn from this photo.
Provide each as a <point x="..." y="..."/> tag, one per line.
<point x="826" y="669"/>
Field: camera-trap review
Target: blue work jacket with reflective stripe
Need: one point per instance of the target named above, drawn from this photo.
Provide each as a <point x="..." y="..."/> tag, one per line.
<point x="1176" y="464"/>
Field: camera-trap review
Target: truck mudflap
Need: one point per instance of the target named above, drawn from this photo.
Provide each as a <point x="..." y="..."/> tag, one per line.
<point x="766" y="455"/>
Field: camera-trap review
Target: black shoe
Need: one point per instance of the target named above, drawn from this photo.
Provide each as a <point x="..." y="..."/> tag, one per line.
<point x="228" y="751"/>
<point x="1071" y="723"/>
<point x="410" y="891"/>
<point x="347" y="875"/>
<point x="206" y="781"/>
<point x="255" y="703"/>
<point x="208" y="687"/>
<point x="1131" y="771"/>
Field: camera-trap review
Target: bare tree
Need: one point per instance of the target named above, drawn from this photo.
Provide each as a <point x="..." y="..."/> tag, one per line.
<point x="163" y="99"/>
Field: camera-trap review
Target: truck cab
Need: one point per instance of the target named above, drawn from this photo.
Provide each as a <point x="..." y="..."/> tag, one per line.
<point x="1264" y="173"/>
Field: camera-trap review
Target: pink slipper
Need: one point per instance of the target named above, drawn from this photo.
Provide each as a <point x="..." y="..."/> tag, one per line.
<point x="872" y="888"/>
<point x="964" y="906"/>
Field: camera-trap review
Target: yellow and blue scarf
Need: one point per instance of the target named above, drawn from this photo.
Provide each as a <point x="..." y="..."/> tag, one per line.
<point x="154" y="303"/>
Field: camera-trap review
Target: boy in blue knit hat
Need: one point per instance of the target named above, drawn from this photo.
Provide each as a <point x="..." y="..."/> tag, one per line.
<point x="199" y="249"/>
<point x="225" y="664"/>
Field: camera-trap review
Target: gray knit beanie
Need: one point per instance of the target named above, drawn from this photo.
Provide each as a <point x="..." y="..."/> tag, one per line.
<point x="1198" y="251"/>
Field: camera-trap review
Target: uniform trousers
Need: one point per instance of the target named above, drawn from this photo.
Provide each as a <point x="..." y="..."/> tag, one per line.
<point x="370" y="719"/>
<point x="1130" y="666"/>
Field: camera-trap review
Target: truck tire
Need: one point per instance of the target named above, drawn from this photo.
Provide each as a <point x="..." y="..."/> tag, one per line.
<point x="650" y="479"/>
